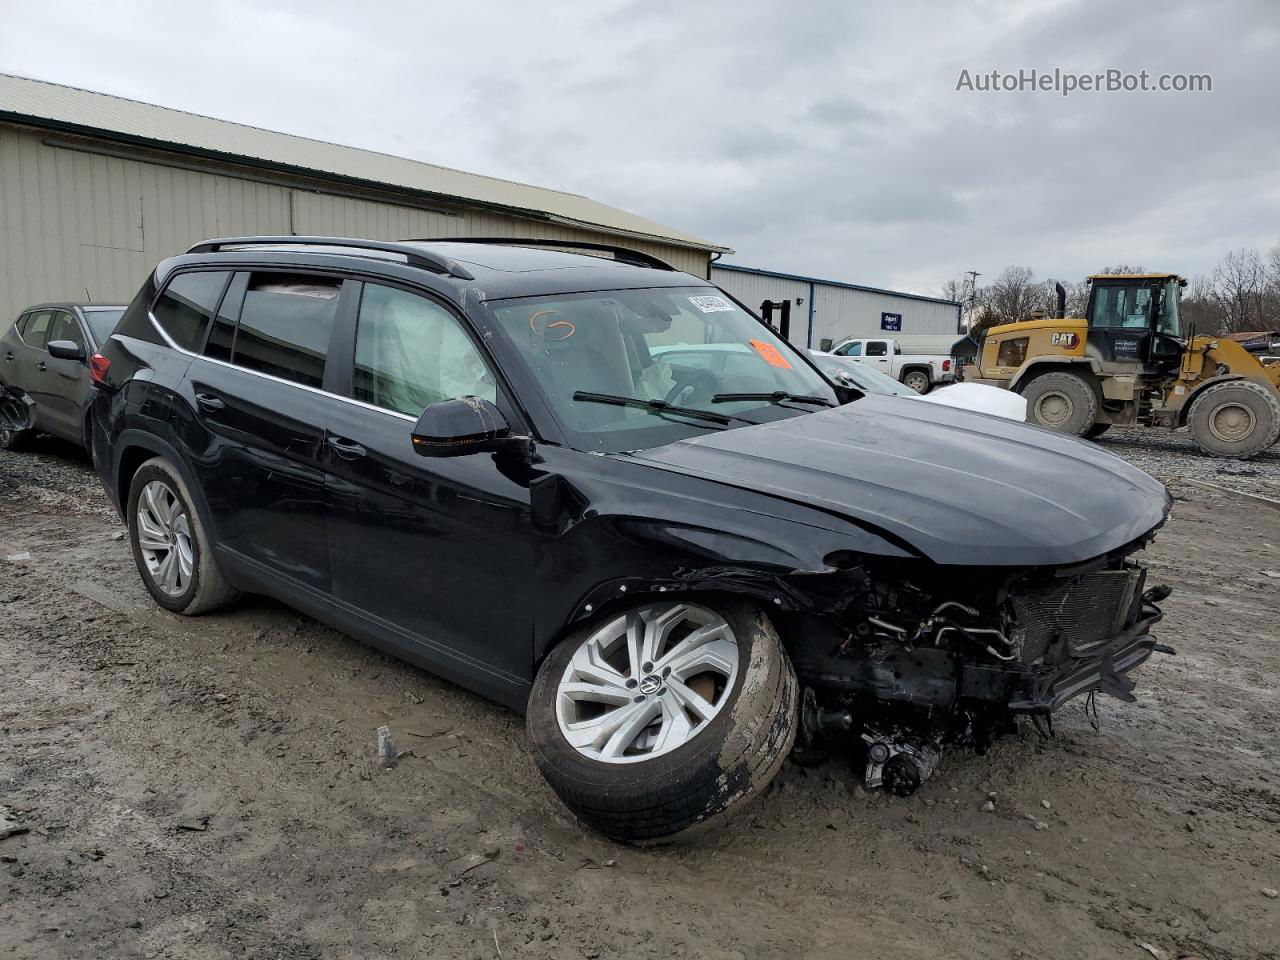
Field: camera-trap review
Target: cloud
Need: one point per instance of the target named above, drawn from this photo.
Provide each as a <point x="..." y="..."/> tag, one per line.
<point x="822" y="138"/>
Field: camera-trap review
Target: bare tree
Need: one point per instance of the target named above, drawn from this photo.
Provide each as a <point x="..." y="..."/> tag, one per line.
<point x="1239" y="281"/>
<point x="1014" y="294"/>
<point x="1200" y="308"/>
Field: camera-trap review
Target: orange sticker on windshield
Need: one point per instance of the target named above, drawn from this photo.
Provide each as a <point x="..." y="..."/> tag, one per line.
<point x="770" y="354"/>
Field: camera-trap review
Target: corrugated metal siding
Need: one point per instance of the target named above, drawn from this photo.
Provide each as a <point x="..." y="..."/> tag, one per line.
<point x="754" y="288"/>
<point x="49" y="102"/>
<point x="840" y="312"/>
<point x="76" y="225"/>
<point x="837" y="311"/>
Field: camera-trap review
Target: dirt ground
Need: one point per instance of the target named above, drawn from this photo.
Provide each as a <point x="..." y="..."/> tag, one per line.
<point x="207" y="788"/>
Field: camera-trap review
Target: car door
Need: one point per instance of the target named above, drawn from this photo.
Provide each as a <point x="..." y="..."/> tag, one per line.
<point x="257" y="405"/>
<point x="438" y="551"/>
<point x="877" y="354"/>
<point x="64" y="384"/>
<point x="23" y="353"/>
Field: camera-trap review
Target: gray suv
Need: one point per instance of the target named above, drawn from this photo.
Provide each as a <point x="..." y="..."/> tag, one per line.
<point x="45" y="361"/>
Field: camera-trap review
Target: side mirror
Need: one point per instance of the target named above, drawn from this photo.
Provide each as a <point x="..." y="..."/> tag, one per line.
<point x="65" y="350"/>
<point x="453" y="428"/>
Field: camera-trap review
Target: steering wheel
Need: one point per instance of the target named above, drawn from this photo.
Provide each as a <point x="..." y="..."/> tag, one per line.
<point x="704" y="381"/>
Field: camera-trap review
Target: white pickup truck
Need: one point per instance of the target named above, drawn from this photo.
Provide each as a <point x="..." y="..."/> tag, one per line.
<point x="919" y="371"/>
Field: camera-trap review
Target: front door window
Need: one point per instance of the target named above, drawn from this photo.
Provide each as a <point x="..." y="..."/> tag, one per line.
<point x="411" y="352"/>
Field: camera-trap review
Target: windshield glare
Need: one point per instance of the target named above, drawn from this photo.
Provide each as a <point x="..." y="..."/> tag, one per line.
<point x="683" y="346"/>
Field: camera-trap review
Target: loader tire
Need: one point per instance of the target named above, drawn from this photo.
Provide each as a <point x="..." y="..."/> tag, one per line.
<point x="1064" y="402"/>
<point x="1237" y="419"/>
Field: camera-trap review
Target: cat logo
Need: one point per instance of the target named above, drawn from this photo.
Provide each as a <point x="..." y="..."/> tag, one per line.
<point x="1068" y="340"/>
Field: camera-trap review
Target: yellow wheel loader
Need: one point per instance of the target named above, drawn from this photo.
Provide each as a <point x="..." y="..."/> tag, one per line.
<point x="1129" y="361"/>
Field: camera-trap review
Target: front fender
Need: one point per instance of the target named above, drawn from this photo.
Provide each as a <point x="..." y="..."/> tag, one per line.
<point x="618" y="540"/>
<point x="1201" y="388"/>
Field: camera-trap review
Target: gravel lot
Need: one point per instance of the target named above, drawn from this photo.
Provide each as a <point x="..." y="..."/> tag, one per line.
<point x="206" y="788"/>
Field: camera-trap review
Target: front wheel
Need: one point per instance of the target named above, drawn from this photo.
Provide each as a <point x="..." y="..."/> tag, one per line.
<point x="666" y="717"/>
<point x="1236" y="419"/>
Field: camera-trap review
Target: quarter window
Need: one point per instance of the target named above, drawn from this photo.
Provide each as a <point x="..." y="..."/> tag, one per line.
<point x="411" y="352"/>
<point x="184" y="309"/>
<point x="285" y="325"/>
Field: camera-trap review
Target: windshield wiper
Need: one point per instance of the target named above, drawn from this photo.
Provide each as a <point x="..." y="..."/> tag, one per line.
<point x="660" y="407"/>
<point x="776" y="397"/>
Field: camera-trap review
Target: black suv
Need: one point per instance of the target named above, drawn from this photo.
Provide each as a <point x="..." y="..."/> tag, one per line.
<point x="478" y="456"/>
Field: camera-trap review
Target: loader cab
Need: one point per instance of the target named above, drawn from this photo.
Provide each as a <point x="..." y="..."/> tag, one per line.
<point x="1135" y="318"/>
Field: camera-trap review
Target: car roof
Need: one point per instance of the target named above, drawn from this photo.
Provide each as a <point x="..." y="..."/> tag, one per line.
<point x="498" y="270"/>
<point x="68" y="305"/>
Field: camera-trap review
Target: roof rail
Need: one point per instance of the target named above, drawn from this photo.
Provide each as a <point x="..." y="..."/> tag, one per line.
<point x="413" y="256"/>
<point x="621" y="254"/>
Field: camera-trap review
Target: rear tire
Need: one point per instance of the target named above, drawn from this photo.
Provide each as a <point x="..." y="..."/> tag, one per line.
<point x="917" y="380"/>
<point x="1064" y="402"/>
<point x="1237" y="419"/>
<point x="170" y="544"/>
<point x="712" y="768"/>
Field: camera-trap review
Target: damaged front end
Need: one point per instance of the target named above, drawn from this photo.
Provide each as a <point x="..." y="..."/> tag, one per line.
<point x="916" y="657"/>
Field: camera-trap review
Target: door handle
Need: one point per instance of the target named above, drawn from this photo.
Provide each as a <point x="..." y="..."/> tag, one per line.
<point x="347" y="449"/>
<point x="209" y="402"/>
<point x="8" y="355"/>
<point x="42" y="366"/>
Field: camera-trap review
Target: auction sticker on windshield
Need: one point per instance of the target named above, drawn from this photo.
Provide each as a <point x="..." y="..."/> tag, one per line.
<point x="712" y="304"/>
<point x="770" y="354"/>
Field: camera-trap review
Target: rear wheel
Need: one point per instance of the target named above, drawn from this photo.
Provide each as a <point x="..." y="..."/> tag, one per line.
<point x="170" y="544"/>
<point x="1064" y="402"/>
<point x="1236" y="419"/>
<point x="916" y="380"/>
<point x="666" y="717"/>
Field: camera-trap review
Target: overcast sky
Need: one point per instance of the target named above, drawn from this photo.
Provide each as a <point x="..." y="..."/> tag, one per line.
<point x="823" y="138"/>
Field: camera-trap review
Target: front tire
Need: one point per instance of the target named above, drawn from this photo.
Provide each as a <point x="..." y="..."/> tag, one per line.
<point x="15" y="423"/>
<point x="666" y="717"/>
<point x="1063" y="402"/>
<point x="1237" y="419"/>
<point x="170" y="544"/>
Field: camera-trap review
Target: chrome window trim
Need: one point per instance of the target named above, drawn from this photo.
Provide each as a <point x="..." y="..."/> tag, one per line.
<point x="267" y="376"/>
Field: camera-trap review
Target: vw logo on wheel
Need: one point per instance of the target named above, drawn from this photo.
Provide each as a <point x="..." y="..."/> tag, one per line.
<point x="650" y="684"/>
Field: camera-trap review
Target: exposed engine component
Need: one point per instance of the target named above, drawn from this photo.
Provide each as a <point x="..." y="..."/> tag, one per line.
<point x="899" y="760"/>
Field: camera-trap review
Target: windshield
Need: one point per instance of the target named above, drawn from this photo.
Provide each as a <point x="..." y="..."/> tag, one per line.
<point x="688" y="347"/>
<point x="102" y="322"/>
<point x="867" y="379"/>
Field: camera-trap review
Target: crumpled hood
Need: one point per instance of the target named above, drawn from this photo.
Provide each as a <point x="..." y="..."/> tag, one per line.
<point x="959" y="487"/>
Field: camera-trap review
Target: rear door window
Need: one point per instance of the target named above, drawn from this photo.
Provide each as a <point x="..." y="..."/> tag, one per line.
<point x="877" y="348"/>
<point x="184" y="309"/>
<point x="285" y="325"/>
